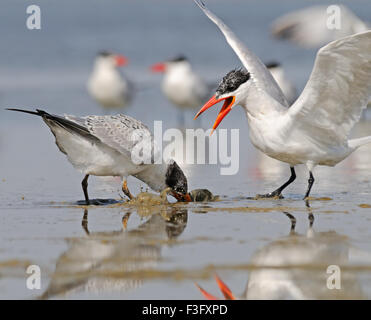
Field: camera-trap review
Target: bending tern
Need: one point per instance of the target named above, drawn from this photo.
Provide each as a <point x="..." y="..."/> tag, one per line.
<point x="181" y="85"/>
<point x="103" y="145"/>
<point x="110" y="88"/>
<point x="315" y="129"/>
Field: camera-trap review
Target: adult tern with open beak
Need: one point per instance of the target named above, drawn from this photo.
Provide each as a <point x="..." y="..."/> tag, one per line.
<point x="315" y="129"/>
<point x="103" y="146"/>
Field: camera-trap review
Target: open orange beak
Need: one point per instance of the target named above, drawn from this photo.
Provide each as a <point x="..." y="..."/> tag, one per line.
<point x="121" y="60"/>
<point x="226" y="108"/>
<point x="158" y="67"/>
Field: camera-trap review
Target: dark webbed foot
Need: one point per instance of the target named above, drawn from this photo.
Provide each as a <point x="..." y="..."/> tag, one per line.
<point x="274" y="194"/>
<point x="277" y="193"/>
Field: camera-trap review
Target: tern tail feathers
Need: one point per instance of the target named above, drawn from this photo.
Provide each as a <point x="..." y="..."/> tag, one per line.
<point x="355" y="143"/>
<point x="66" y="124"/>
<point x="37" y="113"/>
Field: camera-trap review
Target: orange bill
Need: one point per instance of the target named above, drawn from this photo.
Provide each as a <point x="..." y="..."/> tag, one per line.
<point x="227" y="293"/>
<point x="207" y="295"/>
<point x="226" y="108"/>
<point x="181" y="197"/>
<point x="158" y="67"/>
<point x="121" y="60"/>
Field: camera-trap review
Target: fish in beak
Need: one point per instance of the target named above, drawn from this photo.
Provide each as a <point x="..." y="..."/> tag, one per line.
<point x="226" y="108"/>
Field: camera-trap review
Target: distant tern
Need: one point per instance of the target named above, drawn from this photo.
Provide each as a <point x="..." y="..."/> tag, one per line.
<point x="284" y="83"/>
<point x="102" y="146"/>
<point x="312" y="27"/>
<point x="315" y="129"/>
<point x="107" y="85"/>
<point x="181" y="85"/>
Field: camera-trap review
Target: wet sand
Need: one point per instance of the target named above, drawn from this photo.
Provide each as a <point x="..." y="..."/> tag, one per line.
<point x="136" y="251"/>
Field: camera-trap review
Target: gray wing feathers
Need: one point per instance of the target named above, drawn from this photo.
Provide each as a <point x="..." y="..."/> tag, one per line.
<point x="121" y="132"/>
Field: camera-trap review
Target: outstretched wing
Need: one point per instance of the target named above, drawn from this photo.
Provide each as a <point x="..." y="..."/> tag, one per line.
<point x="337" y="90"/>
<point x="120" y="132"/>
<point x="259" y="73"/>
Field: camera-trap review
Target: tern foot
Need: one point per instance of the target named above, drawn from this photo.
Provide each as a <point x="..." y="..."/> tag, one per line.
<point x="271" y="195"/>
<point x="125" y="220"/>
<point x="124" y="199"/>
<point x="97" y="202"/>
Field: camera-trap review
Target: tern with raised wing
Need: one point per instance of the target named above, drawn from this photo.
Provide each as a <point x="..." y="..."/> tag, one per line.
<point x="315" y="129"/>
<point x="107" y="85"/>
<point x="111" y="146"/>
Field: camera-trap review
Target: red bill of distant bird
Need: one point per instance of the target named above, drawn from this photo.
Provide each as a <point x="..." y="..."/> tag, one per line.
<point x="158" y="67"/>
<point x="120" y="60"/>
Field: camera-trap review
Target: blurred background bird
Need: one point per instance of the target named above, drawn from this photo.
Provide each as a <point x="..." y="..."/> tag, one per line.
<point x="309" y="27"/>
<point x="281" y="78"/>
<point x="315" y="26"/>
<point x="182" y="86"/>
<point x="107" y="85"/>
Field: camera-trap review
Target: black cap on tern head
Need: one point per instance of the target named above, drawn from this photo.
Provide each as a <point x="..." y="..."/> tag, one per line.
<point x="179" y="58"/>
<point x="104" y="53"/>
<point x="272" y="64"/>
<point x="175" y="178"/>
<point x="232" y="81"/>
<point x="176" y="223"/>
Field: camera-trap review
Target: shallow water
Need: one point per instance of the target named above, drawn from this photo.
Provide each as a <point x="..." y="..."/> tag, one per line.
<point x="126" y="251"/>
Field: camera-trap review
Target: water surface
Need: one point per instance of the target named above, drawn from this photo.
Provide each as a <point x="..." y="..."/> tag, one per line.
<point x="126" y="252"/>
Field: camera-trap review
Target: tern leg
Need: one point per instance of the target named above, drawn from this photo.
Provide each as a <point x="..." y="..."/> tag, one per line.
<point x="84" y="222"/>
<point x="310" y="214"/>
<point x="292" y="220"/>
<point x="126" y="191"/>
<point x="277" y="192"/>
<point x="181" y="118"/>
<point x="125" y="220"/>
<point x="310" y="184"/>
<point x="84" y="184"/>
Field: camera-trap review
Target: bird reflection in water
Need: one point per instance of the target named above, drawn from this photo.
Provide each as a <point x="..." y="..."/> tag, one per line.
<point x="294" y="267"/>
<point x="115" y="261"/>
